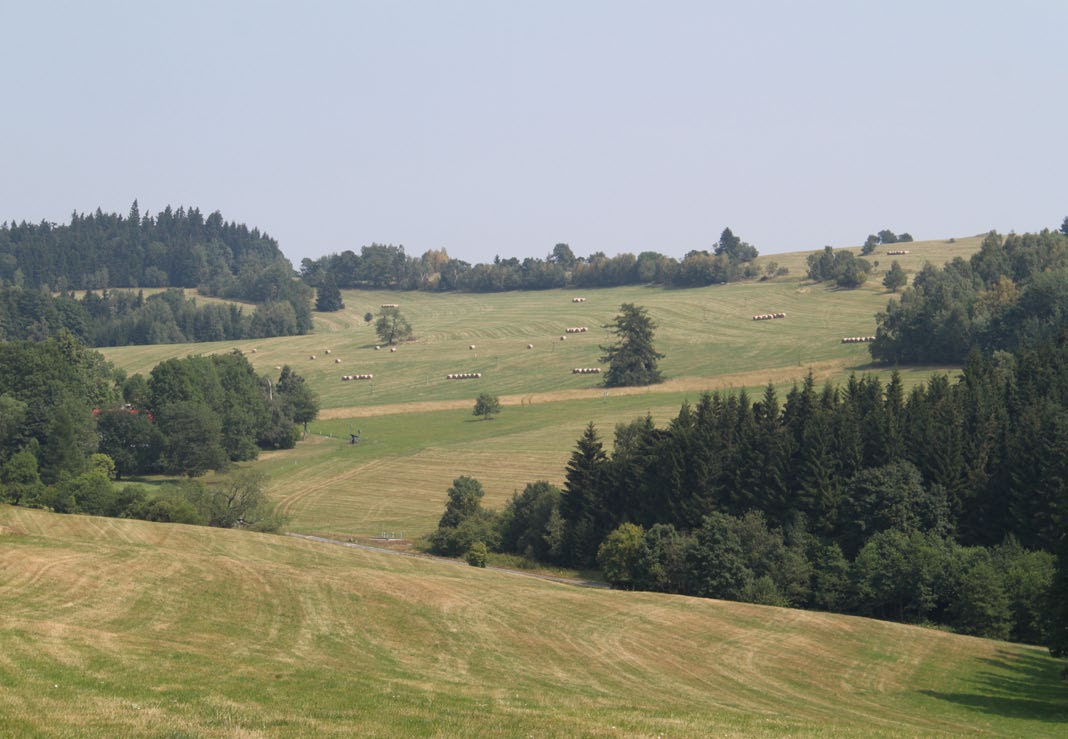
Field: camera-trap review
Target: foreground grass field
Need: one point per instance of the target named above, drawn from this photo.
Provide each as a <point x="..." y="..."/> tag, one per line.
<point x="418" y="432"/>
<point x="122" y="628"/>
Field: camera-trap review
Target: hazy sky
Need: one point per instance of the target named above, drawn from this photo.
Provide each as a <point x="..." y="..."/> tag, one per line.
<point x="506" y="127"/>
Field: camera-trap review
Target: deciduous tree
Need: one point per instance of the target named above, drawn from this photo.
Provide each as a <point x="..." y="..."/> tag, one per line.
<point x="895" y="277"/>
<point x="620" y="555"/>
<point x="487" y="406"/>
<point x="392" y="326"/>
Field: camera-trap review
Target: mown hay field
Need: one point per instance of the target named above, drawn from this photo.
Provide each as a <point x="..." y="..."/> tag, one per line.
<point x="417" y="431"/>
<point x="126" y="628"/>
<point x="704" y="333"/>
<point x="394" y="480"/>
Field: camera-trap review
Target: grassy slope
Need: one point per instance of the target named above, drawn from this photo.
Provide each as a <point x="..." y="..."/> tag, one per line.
<point x="418" y="432"/>
<point x="705" y="333"/>
<point x="123" y="628"/>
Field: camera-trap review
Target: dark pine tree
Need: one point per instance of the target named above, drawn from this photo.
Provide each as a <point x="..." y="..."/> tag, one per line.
<point x="581" y="502"/>
<point x="632" y="359"/>
<point x="328" y="296"/>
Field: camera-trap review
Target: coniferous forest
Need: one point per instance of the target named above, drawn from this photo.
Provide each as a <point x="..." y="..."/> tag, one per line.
<point x="945" y="504"/>
<point x="177" y="249"/>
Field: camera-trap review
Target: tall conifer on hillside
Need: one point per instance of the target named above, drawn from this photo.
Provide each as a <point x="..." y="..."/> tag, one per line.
<point x="632" y="359"/>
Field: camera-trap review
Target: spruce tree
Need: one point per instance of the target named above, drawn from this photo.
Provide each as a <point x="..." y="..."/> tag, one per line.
<point x="632" y="359"/>
<point x="328" y="296"/>
<point x="580" y="503"/>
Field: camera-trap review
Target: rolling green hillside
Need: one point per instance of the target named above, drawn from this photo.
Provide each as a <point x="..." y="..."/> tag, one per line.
<point x="704" y="333"/>
<point x="418" y="431"/>
<point x="123" y="628"/>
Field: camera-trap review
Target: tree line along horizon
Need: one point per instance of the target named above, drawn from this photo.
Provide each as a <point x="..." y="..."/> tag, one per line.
<point x="180" y="247"/>
<point x="810" y="504"/>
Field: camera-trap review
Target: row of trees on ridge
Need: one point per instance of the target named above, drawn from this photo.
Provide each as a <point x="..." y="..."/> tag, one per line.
<point x="382" y="266"/>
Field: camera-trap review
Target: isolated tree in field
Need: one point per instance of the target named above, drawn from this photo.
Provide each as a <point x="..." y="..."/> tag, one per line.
<point x="895" y="278"/>
<point x="487" y="405"/>
<point x="368" y="317"/>
<point x="392" y="326"/>
<point x="632" y="359"/>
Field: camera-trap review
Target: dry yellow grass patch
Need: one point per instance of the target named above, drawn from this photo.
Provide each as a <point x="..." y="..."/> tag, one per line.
<point x="152" y="630"/>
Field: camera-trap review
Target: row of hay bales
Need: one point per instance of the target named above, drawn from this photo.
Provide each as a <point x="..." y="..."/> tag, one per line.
<point x="391" y="305"/>
<point x="857" y="339"/>
<point x="347" y="378"/>
<point x="768" y="316"/>
<point x="586" y="371"/>
<point x="464" y="376"/>
<point x="578" y="300"/>
<point x="897" y="252"/>
<point x="578" y="329"/>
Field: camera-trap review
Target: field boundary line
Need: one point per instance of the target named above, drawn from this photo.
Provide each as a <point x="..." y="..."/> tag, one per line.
<point x="449" y="560"/>
<point x="755" y="378"/>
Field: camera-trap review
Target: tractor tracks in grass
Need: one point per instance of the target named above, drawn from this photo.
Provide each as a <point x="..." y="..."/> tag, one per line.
<point x="577" y="582"/>
<point x="286" y="504"/>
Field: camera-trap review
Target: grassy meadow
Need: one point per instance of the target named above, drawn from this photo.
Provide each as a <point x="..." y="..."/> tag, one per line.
<point x="705" y="333"/>
<point x="115" y="628"/>
<point x="418" y="433"/>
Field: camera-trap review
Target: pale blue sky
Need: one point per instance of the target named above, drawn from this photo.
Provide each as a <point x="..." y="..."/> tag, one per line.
<point x="505" y="127"/>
